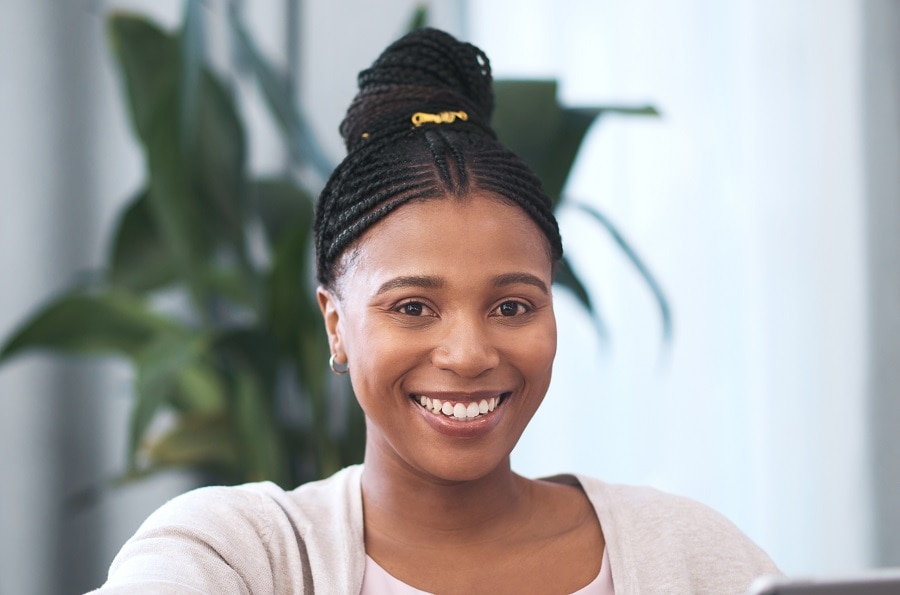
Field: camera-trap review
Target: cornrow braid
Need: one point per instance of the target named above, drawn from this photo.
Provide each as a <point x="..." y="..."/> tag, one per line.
<point x="392" y="161"/>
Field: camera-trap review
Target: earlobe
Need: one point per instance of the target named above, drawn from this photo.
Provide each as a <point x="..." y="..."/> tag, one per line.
<point x="331" y="314"/>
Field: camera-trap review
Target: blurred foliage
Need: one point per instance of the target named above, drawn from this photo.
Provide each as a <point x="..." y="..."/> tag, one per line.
<point x="208" y="290"/>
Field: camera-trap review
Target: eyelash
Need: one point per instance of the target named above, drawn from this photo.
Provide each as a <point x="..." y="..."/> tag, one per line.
<point x="400" y="309"/>
<point x="521" y="308"/>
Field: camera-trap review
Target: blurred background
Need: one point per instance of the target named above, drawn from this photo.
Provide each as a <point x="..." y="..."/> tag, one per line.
<point x="765" y="198"/>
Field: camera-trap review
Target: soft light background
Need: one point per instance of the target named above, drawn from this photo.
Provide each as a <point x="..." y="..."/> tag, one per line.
<point x="766" y="199"/>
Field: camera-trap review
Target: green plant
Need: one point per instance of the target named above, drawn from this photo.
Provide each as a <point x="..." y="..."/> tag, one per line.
<point x="241" y="358"/>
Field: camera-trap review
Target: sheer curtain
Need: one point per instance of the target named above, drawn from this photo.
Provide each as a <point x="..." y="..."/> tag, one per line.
<point x="747" y="198"/>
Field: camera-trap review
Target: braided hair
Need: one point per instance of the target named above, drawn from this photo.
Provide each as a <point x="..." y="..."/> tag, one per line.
<point x="394" y="159"/>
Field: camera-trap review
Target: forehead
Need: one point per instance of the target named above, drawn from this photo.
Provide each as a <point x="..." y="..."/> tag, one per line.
<point x="478" y="233"/>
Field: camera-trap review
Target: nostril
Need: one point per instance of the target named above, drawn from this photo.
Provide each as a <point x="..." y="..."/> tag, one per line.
<point x="466" y="352"/>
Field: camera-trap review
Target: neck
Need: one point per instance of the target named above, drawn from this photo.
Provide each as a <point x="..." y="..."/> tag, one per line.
<point x="404" y="505"/>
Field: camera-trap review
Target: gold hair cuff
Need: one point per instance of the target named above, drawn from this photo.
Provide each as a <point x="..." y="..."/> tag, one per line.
<point x="420" y="118"/>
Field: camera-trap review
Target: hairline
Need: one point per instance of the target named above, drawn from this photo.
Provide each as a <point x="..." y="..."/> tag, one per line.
<point x="351" y="254"/>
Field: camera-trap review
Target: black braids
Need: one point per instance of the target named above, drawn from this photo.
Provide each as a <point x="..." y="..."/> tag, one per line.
<point x="513" y="179"/>
<point x="426" y="52"/>
<point x="392" y="162"/>
<point x="379" y="194"/>
<point x="430" y="59"/>
<point x="462" y="177"/>
<point x="361" y="215"/>
<point x="438" y="154"/>
<point x="518" y="180"/>
<point x="359" y="227"/>
<point x="542" y="217"/>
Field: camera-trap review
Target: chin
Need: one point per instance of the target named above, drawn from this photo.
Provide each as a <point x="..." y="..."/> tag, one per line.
<point x="464" y="468"/>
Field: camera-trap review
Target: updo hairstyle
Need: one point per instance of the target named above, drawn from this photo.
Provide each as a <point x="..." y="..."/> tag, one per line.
<point x="419" y="128"/>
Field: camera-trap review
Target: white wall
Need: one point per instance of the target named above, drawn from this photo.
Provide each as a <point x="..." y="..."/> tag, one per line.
<point x="747" y="198"/>
<point x="882" y="128"/>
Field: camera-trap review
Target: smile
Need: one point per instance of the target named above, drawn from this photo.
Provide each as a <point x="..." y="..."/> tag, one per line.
<point x="458" y="410"/>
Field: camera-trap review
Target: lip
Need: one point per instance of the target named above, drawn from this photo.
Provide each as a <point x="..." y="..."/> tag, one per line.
<point x="456" y="428"/>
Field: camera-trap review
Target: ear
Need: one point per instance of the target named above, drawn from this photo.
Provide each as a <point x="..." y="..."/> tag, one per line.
<point x="331" y="312"/>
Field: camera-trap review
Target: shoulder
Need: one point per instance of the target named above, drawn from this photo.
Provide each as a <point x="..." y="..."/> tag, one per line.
<point x="673" y="542"/>
<point x="238" y="538"/>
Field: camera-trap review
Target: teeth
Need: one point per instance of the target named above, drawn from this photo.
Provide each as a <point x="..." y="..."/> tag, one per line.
<point x="460" y="411"/>
<point x="472" y="410"/>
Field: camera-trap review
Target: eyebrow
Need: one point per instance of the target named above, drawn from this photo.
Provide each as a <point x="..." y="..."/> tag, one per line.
<point x="421" y="281"/>
<point x="433" y="282"/>
<point x="516" y="278"/>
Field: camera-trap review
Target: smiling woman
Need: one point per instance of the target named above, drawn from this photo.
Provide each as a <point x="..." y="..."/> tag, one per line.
<point x="447" y="303"/>
<point x="436" y="249"/>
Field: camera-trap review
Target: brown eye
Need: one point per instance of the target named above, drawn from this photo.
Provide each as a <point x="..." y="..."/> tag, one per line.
<point x="412" y="309"/>
<point x="511" y="308"/>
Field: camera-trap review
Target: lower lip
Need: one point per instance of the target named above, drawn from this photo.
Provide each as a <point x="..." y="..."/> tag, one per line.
<point x="462" y="428"/>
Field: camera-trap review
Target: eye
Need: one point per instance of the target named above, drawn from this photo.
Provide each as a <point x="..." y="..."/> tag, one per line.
<point x="511" y="308"/>
<point x="414" y="309"/>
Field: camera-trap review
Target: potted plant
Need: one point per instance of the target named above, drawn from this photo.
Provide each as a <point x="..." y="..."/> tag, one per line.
<point x="241" y="358"/>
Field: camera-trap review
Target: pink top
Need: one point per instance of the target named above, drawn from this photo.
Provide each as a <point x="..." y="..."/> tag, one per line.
<point x="377" y="581"/>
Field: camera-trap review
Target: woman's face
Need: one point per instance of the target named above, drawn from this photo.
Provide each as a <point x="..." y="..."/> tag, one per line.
<point x="446" y="302"/>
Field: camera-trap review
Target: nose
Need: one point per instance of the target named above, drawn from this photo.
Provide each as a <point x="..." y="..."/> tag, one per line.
<point x="466" y="349"/>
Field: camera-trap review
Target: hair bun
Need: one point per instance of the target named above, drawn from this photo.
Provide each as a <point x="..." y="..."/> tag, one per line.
<point x="427" y="70"/>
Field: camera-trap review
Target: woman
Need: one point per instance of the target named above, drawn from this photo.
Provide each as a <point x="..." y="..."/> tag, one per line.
<point x="435" y="255"/>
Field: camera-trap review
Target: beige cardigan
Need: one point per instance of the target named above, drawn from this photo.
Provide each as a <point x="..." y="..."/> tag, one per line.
<point x="259" y="539"/>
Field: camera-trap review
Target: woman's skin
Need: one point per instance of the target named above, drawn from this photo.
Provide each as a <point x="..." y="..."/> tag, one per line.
<point x="450" y="298"/>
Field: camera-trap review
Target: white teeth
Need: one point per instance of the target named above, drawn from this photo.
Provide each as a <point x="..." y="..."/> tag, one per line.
<point x="460" y="411"/>
<point x="472" y="410"/>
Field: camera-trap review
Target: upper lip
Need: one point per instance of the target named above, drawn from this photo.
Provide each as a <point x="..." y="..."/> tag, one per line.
<point x="460" y="396"/>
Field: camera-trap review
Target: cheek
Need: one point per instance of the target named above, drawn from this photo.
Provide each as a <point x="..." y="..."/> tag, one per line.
<point x="378" y="357"/>
<point x="534" y="353"/>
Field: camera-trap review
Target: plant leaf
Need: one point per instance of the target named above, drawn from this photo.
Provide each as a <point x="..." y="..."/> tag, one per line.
<point x="80" y="324"/>
<point x="565" y="277"/>
<point x="281" y="204"/>
<point x="193" y="42"/>
<point x="198" y="440"/>
<point x="637" y="262"/>
<point x="546" y="135"/>
<point x="291" y="307"/>
<point x="419" y="17"/>
<point x="217" y="161"/>
<point x="139" y="259"/>
<point x="142" y="47"/>
<point x="261" y="451"/>
<point x="276" y="89"/>
<point x="159" y="366"/>
<point x="528" y="118"/>
<point x="150" y="66"/>
<point x="199" y="389"/>
<point x="196" y="183"/>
